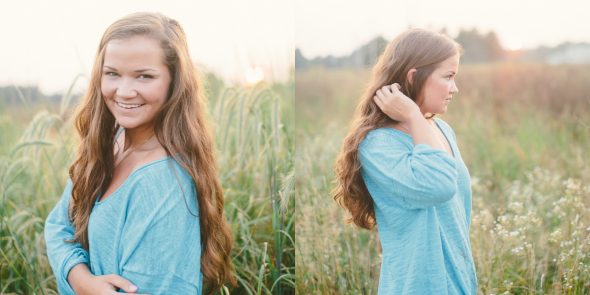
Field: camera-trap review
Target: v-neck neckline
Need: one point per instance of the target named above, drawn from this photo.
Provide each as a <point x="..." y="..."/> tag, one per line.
<point x="446" y="137"/>
<point x="127" y="180"/>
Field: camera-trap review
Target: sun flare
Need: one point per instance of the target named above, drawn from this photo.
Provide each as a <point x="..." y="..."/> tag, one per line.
<point x="514" y="44"/>
<point x="254" y="75"/>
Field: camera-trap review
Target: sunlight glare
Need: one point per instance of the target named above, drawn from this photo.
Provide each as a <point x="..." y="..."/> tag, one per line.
<point x="514" y="44"/>
<point x="254" y="75"/>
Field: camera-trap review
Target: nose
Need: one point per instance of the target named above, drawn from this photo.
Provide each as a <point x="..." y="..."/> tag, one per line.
<point x="125" y="89"/>
<point x="453" y="88"/>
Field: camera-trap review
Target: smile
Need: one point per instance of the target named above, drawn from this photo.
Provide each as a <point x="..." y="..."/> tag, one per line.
<point x="129" y="106"/>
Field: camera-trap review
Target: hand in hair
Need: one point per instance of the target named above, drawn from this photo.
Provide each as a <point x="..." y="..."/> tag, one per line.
<point x="83" y="282"/>
<point x="401" y="108"/>
<point x="395" y="104"/>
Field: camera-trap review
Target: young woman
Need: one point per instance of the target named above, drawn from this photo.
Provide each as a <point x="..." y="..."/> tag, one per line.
<point x="143" y="210"/>
<point x="400" y="169"/>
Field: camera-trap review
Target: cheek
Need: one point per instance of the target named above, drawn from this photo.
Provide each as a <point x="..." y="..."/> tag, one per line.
<point x="443" y="87"/>
<point x="162" y="91"/>
<point x="434" y="91"/>
<point x="106" y="88"/>
<point x="157" y="93"/>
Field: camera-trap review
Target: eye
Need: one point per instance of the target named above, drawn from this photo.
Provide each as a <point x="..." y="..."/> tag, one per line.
<point x="112" y="74"/>
<point x="449" y="77"/>
<point x="144" y="76"/>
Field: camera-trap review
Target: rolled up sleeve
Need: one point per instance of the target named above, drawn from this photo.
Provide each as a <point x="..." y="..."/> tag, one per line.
<point x="416" y="178"/>
<point x="62" y="256"/>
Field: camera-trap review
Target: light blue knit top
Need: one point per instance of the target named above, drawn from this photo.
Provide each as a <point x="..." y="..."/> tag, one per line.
<point x="422" y="199"/>
<point x="143" y="232"/>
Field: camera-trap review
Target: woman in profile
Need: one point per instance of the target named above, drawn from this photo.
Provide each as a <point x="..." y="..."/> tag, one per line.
<point x="400" y="169"/>
<point x="143" y="210"/>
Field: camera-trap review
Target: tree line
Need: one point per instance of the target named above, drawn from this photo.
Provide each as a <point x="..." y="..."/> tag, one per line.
<point x="479" y="48"/>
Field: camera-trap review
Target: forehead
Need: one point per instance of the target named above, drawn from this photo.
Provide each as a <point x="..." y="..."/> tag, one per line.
<point x="134" y="52"/>
<point x="449" y="64"/>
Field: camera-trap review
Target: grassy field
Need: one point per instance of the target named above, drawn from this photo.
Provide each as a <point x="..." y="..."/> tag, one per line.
<point x="255" y="139"/>
<point x="524" y="134"/>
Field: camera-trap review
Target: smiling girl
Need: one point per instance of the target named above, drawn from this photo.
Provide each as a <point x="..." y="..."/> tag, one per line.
<point x="400" y="169"/>
<point x="143" y="209"/>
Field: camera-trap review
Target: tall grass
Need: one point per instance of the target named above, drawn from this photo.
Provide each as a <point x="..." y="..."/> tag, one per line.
<point x="256" y="156"/>
<point x="523" y="132"/>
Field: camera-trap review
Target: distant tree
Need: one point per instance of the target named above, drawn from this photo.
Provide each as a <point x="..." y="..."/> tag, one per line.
<point x="300" y="61"/>
<point x="480" y="48"/>
<point x="11" y="97"/>
<point x="495" y="50"/>
<point x="366" y="55"/>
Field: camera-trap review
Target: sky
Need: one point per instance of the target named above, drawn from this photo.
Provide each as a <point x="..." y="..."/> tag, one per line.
<point x="338" y="27"/>
<point x="48" y="43"/>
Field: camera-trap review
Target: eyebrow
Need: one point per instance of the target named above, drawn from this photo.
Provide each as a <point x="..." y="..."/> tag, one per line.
<point x="451" y="72"/>
<point x="136" y="71"/>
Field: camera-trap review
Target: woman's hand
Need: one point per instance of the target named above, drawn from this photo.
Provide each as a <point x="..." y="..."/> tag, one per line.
<point x="401" y="108"/>
<point x="107" y="284"/>
<point x="395" y="104"/>
<point x="84" y="282"/>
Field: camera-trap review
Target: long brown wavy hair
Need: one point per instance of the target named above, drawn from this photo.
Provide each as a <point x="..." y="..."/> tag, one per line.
<point x="182" y="126"/>
<point x="418" y="49"/>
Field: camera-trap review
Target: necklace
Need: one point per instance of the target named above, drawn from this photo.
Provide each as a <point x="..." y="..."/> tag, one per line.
<point x="117" y="165"/>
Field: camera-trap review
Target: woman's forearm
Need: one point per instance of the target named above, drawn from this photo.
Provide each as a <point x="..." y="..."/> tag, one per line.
<point x="78" y="275"/>
<point x="83" y="282"/>
<point x="422" y="131"/>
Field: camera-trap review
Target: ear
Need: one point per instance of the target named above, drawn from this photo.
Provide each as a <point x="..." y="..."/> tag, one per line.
<point x="411" y="76"/>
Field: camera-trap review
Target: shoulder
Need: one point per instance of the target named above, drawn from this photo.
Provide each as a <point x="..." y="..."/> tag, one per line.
<point x="163" y="184"/>
<point x="385" y="137"/>
<point x="384" y="144"/>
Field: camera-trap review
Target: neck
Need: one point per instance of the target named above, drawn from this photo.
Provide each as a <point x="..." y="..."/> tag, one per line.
<point x="424" y="112"/>
<point x="137" y="136"/>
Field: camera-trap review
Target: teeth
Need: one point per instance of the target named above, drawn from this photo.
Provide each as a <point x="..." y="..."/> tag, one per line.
<point x="129" y="106"/>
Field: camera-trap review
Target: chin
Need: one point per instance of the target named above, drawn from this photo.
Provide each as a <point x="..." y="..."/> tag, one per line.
<point x="442" y="110"/>
<point x="437" y="112"/>
<point x="127" y="124"/>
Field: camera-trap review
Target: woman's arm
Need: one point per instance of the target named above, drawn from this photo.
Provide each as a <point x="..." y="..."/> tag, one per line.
<point x="422" y="131"/>
<point x="415" y="178"/>
<point x="401" y="108"/>
<point x="85" y="283"/>
<point x="62" y="256"/>
<point x="69" y="261"/>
